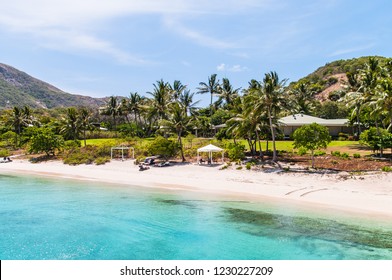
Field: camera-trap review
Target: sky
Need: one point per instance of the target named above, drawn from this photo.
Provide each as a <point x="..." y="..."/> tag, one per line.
<point x="113" y="47"/>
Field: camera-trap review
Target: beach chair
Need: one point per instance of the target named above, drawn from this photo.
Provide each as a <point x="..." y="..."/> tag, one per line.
<point x="142" y="167"/>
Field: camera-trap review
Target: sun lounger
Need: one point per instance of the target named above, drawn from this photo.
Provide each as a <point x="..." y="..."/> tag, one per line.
<point x="149" y="161"/>
<point x="5" y="160"/>
<point x="142" y="167"/>
<point x="162" y="164"/>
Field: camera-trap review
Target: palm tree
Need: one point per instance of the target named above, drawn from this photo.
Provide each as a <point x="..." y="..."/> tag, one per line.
<point x="178" y="122"/>
<point x="354" y="99"/>
<point x="84" y="120"/>
<point x="212" y="87"/>
<point x="70" y="127"/>
<point x="227" y="93"/>
<point x="134" y="105"/>
<point x="18" y="121"/>
<point x="255" y="111"/>
<point x="113" y="109"/>
<point x="161" y="98"/>
<point x="186" y="102"/>
<point x="176" y="90"/>
<point x="302" y="97"/>
<point x="275" y="101"/>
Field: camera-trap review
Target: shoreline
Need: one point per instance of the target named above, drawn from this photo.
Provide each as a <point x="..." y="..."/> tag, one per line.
<point x="368" y="196"/>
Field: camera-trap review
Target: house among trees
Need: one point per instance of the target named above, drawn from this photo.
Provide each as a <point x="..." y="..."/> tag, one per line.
<point x="335" y="126"/>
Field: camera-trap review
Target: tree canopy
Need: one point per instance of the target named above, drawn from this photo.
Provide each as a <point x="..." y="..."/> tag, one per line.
<point x="311" y="137"/>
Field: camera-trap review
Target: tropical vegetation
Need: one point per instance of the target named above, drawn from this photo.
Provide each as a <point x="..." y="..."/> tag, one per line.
<point x="168" y="117"/>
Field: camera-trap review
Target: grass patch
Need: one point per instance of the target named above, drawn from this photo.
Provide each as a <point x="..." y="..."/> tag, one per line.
<point x="101" y="142"/>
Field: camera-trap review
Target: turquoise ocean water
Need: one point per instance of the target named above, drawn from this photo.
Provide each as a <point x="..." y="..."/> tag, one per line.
<point x="64" y="219"/>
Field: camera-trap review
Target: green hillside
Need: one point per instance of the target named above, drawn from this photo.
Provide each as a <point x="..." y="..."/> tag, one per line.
<point x="326" y="76"/>
<point x="19" y="89"/>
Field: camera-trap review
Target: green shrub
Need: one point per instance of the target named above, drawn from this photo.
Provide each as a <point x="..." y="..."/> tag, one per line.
<point x="9" y="139"/>
<point x="104" y="151"/>
<point x="319" y="153"/>
<point x="72" y="144"/>
<point x="78" y="158"/>
<point x="239" y="167"/>
<point x="302" y="151"/>
<point x="4" y="153"/>
<point x="387" y="169"/>
<point x="190" y="152"/>
<point x="235" y="151"/>
<point x="376" y="138"/>
<point x="334" y="162"/>
<point x="101" y="160"/>
<point x="357" y="156"/>
<point x="335" y="153"/>
<point x="342" y="136"/>
<point x="164" y="147"/>
<point x="85" y="155"/>
<point x="248" y="165"/>
<point x="345" y="155"/>
<point x="45" y="140"/>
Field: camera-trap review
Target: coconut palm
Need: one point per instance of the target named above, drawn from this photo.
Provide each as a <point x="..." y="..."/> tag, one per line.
<point x="84" y="120"/>
<point x="161" y="98"/>
<point x="227" y="93"/>
<point x="176" y="90"/>
<point x="186" y="102"/>
<point x="211" y="87"/>
<point x="113" y="109"/>
<point x="302" y="97"/>
<point x="177" y="122"/>
<point x="134" y="105"/>
<point x="269" y="98"/>
<point x="354" y="99"/>
<point x="69" y="126"/>
<point x="18" y="120"/>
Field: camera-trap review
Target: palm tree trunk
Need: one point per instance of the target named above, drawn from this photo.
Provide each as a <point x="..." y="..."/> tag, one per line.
<point x="358" y="124"/>
<point x="211" y="106"/>
<point x="312" y="159"/>
<point x="274" y="157"/>
<point x="180" y="142"/>
<point x="261" y="150"/>
<point x="84" y="137"/>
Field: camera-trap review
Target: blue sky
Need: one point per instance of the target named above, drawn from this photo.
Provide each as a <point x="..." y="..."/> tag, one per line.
<point x="102" y="48"/>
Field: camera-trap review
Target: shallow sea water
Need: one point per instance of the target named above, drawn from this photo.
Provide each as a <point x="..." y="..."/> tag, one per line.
<point x="62" y="219"/>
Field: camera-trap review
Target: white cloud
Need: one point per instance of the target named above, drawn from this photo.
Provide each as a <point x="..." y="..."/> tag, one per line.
<point x="352" y="50"/>
<point x="186" y="63"/>
<point x="195" y="36"/>
<point x="79" y="22"/>
<point x="227" y="68"/>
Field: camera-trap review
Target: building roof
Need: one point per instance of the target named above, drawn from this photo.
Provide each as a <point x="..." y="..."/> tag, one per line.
<point x="301" y="119"/>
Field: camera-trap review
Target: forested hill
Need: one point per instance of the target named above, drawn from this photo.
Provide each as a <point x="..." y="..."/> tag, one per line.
<point x="332" y="77"/>
<point x="20" y="89"/>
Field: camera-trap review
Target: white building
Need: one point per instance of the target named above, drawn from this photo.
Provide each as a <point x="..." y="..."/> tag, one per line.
<point x="335" y="126"/>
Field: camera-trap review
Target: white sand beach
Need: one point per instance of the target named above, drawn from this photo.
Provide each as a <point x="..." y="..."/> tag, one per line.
<point x="369" y="195"/>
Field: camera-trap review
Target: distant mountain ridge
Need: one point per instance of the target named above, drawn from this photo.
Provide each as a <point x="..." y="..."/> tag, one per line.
<point x="20" y="89"/>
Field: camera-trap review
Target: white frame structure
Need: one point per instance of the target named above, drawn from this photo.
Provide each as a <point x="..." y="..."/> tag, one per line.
<point x="122" y="148"/>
